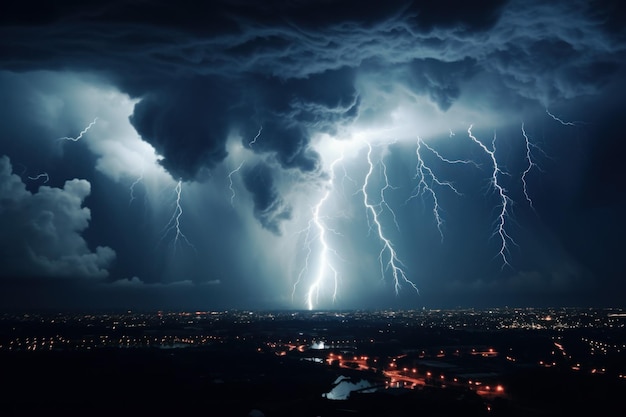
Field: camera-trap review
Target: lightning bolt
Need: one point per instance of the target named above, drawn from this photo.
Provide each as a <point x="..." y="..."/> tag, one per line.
<point x="564" y="123"/>
<point x="253" y="141"/>
<point x="531" y="164"/>
<point x="231" y="173"/>
<point x="173" y="225"/>
<point x="132" y="188"/>
<point x="42" y="175"/>
<point x="230" y="182"/>
<point x="449" y="161"/>
<point x="348" y="178"/>
<point x="325" y="266"/>
<point x="81" y="134"/>
<point x="505" y="238"/>
<point x="383" y="201"/>
<point x="393" y="263"/>
<point x="427" y="179"/>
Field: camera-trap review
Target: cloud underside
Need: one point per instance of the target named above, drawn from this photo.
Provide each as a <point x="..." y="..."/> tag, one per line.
<point x="292" y="68"/>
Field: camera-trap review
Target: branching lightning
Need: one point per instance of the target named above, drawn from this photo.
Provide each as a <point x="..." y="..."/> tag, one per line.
<point x="325" y="266"/>
<point x="42" y="175"/>
<point x="383" y="202"/>
<point x="531" y="164"/>
<point x="233" y="194"/>
<point x="173" y="225"/>
<point x="427" y="179"/>
<point x="347" y="177"/>
<point x="505" y="200"/>
<point x="449" y="161"/>
<point x="132" y="188"/>
<point x="82" y="133"/>
<point x="393" y="263"/>
<point x="230" y="183"/>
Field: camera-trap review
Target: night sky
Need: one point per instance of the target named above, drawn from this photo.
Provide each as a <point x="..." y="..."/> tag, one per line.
<point x="312" y="154"/>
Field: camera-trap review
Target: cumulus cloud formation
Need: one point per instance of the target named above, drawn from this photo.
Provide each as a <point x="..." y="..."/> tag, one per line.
<point x="41" y="232"/>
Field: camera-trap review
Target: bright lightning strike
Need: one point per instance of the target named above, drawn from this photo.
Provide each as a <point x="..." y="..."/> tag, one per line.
<point x="174" y="223"/>
<point x="564" y="123"/>
<point x="230" y="182"/>
<point x="383" y="201"/>
<point x="42" y="175"/>
<point x="393" y="263"/>
<point x="325" y="267"/>
<point x="253" y="141"/>
<point x="531" y="164"/>
<point x="505" y="238"/>
<point x="82" y="133"/>
<point x="449" y="161"/>
<point x="427" y="179"/>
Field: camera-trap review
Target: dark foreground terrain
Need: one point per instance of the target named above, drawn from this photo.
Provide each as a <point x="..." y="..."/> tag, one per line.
<point x="232" y="383"/>
<point x="256" y="368"/>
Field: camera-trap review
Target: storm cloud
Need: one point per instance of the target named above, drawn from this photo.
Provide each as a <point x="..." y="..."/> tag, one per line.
<point x="41" y="232"/>
<point x="256" y="107"/>
<point x="269" y="207"/>
<point x="193" y="65"/>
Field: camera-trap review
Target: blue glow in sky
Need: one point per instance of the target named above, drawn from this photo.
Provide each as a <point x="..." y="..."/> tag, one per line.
<point x="311" y="155"/>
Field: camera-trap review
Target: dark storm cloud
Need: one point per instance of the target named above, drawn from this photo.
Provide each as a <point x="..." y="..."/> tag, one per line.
<point x="290" y="39"/>
<point x="553" y="53"/>
<point x="290" y="143"/>
<point x="187" y="123"/>
<point x="439" y="80"/>
<point x="208" y="73"/>
<point x="269" y="208"/>
<point x="190" y="121"/>
<point x="192" y="64"/>
<point x="285" y="113"/>
<point x="41" y="232"/>
<point x="142" y="43"/>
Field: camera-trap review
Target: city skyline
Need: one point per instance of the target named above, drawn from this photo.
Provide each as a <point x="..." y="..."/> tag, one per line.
<point x="312" y="155"/>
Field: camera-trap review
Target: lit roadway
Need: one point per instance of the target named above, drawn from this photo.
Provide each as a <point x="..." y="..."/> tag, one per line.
<point x="406" y="377"/>
<point x="396" y="376"/>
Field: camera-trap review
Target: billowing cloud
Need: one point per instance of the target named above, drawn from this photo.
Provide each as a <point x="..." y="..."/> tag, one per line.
<point x="41" y="232"/>
<point x="264" y="110"/>
<point x="190" y="121"/>
<point x="187" y="123"/>
<point x="293" y="62"/>
<point x="269" y="206"/>
<point x="440" y="80"/>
